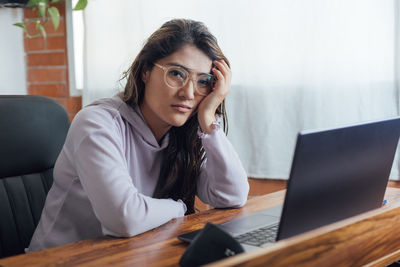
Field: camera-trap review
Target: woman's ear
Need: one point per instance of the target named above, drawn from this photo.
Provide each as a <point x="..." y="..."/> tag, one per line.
<point x="145" y="76"/>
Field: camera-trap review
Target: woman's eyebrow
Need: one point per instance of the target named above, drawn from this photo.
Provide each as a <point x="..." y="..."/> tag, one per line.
<point x="185" y="68"/>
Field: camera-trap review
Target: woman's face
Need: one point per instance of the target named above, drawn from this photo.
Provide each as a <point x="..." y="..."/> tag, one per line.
<point x="164" y="106"/>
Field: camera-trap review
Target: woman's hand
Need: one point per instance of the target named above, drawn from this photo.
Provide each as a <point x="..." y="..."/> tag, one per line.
<point x="208" y="106"/>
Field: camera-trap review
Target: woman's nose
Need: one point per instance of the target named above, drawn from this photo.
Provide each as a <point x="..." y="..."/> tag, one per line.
<point x="188" y="90"/>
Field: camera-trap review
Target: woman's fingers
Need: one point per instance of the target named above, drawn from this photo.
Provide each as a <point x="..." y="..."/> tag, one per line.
<point x="208" y="106"/>
<point x="223" y="75"/>
<point x="223" y="66"/>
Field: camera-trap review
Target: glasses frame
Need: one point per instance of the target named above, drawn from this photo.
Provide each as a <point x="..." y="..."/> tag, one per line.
<point x="165" y="69"/>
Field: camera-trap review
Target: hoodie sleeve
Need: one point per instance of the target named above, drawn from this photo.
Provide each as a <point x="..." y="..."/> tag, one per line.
<point x="98" y="157"/>
<point x="223" y="180"/>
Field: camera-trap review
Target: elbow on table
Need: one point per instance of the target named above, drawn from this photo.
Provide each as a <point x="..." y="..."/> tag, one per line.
<point x="124" y="228"/>
<point x="236" y="199"/>
<point x="236" y="202"/>
<point x="241" y="198"/>
<point x="125" y="233"/>
<point x="240" y="191"/>
<point x="120" y="231"/>
<point x="243" y="193"/>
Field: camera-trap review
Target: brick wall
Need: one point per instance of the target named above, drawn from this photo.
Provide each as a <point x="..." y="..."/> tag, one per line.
<point x="47" y="64"/>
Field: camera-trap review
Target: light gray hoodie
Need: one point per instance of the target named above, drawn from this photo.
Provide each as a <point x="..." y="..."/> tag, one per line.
<point x="106" y="173"/>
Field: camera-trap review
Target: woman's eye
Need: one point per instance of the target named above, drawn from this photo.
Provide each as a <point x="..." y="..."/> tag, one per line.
<point x="204" y="83"/>
<point x="177" y="73"/>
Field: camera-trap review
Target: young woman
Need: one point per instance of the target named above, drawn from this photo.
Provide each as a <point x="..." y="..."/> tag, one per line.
<point x="135" y="161"/>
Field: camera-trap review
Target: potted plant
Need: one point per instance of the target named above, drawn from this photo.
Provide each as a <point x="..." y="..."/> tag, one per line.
<point x="45" y="11"/>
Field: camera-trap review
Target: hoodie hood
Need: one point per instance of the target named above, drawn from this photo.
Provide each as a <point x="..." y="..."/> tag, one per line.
<point x="134" y="117"/>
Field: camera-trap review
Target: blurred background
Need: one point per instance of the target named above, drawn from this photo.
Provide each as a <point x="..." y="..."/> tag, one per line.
<point x="296" y="65"/>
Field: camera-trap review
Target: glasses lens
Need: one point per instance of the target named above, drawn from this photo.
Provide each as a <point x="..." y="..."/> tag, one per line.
<point x="204" y="84"/>
<point x="176" y="77"/>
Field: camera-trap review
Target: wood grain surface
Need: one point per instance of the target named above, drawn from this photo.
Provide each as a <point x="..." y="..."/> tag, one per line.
<point x="370" y="239"/>
<point x="160" y="247"/>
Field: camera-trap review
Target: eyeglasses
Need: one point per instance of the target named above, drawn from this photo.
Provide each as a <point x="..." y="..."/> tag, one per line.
<point x="177" y="77"/>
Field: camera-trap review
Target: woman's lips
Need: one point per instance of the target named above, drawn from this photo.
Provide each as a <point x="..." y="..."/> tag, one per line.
<point x="182" y="108"/>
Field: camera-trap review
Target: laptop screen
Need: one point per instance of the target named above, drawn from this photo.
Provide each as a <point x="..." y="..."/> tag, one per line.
<point x="338" y="173"/>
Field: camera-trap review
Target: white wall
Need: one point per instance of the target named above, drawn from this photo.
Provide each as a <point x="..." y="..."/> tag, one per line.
<point x="12" y="61"/>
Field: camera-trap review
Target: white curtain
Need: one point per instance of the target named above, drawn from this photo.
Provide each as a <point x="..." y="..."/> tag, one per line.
<point x="12" y="54"/>
<point x="296" y="64"/>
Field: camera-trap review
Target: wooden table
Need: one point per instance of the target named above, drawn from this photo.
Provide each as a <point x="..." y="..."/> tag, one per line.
<point x="371" y="238"/>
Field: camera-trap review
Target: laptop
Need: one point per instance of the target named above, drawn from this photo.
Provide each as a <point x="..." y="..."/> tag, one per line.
<point x="335" y="174"/>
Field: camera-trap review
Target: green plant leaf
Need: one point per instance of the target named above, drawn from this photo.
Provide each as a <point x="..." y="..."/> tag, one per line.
<point x="55" y="1"/>
<point x="23" y="26"/>
<point x="55" y="16"/>
<point x="32" y="3"/>
<point x="20" y="24"/>
<point x="42" y="30"/>
<point x="81" y="5"/>
<point x="42" y="9"/>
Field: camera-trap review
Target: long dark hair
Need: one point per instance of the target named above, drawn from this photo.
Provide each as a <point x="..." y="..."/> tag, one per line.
<point x="184" y="154"/>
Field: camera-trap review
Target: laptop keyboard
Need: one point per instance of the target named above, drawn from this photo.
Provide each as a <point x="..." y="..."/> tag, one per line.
<point x="259" y="236"/>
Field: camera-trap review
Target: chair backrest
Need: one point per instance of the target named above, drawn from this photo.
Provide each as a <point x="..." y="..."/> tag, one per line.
<point x="32" y="132"/>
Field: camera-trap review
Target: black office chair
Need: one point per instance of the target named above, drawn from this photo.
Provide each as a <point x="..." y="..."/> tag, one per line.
<point x="32" y="132"/>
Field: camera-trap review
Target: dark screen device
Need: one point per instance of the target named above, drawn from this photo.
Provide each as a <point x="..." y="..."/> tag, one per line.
<point x="336" y="173"/>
